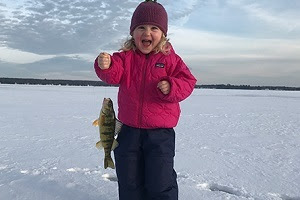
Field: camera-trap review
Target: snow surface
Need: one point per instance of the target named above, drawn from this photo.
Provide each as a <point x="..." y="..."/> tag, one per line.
<point x="230" y="144"/>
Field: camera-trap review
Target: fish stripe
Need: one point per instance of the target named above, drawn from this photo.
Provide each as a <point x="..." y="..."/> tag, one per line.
<point x="107" y="133"/>
<point x="107" y="141"/>
<point x="112" y="123"/>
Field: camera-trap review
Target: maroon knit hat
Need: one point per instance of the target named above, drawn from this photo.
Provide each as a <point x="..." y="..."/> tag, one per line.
<point x="150" y="12"/>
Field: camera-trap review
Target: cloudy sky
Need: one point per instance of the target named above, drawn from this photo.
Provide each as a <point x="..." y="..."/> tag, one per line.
<point x="253" y="42"/>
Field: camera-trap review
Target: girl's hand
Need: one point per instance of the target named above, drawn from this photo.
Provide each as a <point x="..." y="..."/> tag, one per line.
<point x="164" y="87"/>
<point x="104" y="60"/>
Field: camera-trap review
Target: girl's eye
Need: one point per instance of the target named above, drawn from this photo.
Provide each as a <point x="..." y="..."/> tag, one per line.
<point x="141" y="27"/>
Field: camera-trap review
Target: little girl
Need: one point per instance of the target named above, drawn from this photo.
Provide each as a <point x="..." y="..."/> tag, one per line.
<point x="152" y="80"/>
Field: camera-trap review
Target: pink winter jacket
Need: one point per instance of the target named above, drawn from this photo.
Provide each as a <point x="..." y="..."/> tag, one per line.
<point x="141" y="104"/>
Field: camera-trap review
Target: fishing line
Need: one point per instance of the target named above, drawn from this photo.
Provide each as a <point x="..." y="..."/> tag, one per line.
<point x="105" y="91"/>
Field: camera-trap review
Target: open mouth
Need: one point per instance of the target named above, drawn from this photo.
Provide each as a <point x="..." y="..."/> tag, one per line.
<point x="146" y="42"/>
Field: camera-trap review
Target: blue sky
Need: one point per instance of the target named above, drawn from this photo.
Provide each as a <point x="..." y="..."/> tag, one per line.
<point x="253" y="42"/>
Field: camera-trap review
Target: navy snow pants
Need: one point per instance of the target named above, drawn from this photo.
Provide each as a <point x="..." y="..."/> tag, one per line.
<point x="144" y="164"/>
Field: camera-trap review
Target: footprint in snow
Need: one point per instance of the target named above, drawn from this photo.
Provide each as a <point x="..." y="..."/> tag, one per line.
<point x="214" y="187"/>
<point x="3" y="167"/>
<point x="182" y="176"/>
<point x="82" y="170"/>
<point x="36" y="172"/>
<point x="284" y="197"/>
<point x="106" y="177"/>
<point x="110" y="177"/>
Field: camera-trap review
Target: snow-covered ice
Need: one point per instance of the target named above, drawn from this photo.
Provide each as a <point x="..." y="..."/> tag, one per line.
<point x="230" y="144"/>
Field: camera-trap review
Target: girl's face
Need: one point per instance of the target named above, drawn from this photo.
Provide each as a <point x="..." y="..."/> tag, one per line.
<point x="146" y="37"/>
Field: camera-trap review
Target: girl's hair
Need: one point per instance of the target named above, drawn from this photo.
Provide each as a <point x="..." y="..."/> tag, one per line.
<point x="163" y="46"/>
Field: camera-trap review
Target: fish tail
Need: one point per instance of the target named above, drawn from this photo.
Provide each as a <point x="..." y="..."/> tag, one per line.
<point x="108" y="162"/>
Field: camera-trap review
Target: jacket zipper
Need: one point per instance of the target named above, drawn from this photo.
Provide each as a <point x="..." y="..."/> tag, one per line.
<point x="142" y="91"/>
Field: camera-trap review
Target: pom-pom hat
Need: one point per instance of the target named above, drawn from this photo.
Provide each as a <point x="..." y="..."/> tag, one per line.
<point x="150" y="13"/>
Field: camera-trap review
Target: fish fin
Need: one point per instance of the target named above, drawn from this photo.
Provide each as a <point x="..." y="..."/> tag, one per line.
<point x="114" y="145"/>
<point x="101" y="119"/>
<point x="108" y="162"/>
<point x="96" y="122"/>
<point x="118" y="127"/>
<point x="99" y="145"/>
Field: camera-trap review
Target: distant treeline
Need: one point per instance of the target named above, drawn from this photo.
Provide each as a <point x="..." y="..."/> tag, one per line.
<point x="31" y="81"/>
<point x="248" y="87"/>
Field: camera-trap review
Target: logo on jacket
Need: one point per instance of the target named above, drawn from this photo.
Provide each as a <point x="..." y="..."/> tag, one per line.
<point x="160" y="65"/>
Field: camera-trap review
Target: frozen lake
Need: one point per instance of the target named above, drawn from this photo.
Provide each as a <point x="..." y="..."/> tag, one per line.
<point x="230" y="144"/>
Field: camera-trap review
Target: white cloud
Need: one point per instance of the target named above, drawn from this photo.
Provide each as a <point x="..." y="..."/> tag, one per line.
<point x="67" y="27"/>
<point x="20" y="57"/>
<point x="212" y="45"/>
<point x="180" y="11"/>
<point x="215" y="58"/>
<point x="286" y="19"/>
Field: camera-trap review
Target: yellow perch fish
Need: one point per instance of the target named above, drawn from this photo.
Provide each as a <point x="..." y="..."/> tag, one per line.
<point x="107" y="126"/>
